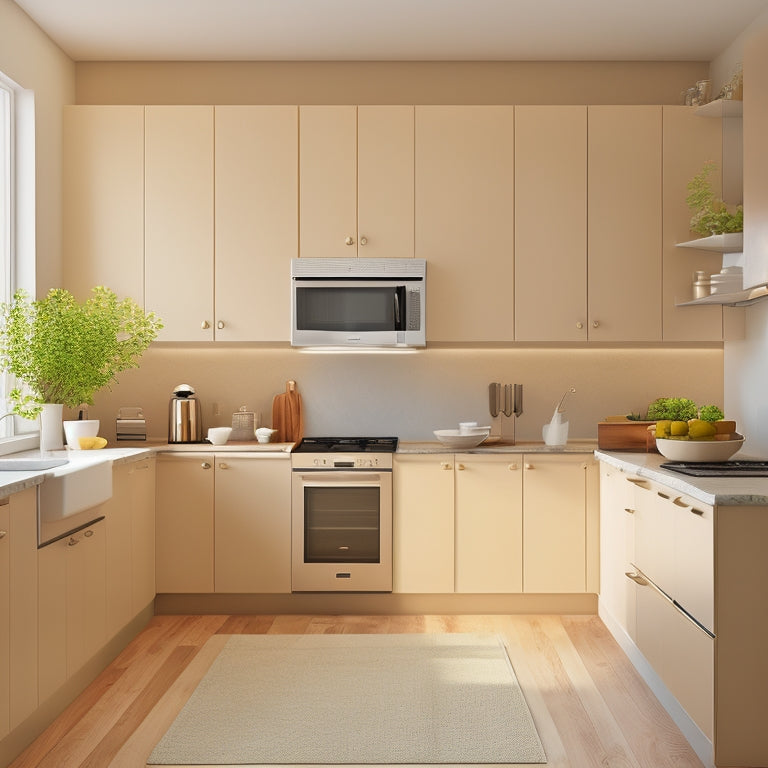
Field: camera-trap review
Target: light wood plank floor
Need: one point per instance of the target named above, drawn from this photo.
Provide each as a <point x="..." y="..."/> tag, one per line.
<point x="590" y="706"/>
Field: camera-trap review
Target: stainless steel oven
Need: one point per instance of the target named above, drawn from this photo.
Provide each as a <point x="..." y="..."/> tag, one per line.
<point x="342" y="515"/>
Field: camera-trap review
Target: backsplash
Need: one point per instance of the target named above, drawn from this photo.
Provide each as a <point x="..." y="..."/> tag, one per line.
<point x="409" y="395"/>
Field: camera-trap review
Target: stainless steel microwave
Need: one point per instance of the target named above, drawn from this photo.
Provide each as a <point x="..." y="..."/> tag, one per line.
<point x="358" y="302"/>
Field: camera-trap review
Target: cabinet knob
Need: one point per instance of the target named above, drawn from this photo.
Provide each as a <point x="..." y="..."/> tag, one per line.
<point x="512" y="467"/>
<point x="220" y="324"/>
<point x="349" y="240"/>
<point x="579" y="325"/>
<point x="88" y="534"/>
<point x="445" y="465"/>
<point x="595" y="323"/>
<point x="363" y="241"/>
<point x="223" y="465"/>
<point x="72" y="541"/>
<point x="205" y="325"/>
<point x="205" y="465"/>
<point x="3" y="534"/>
<point x="460" y="467"/>
<point x="529" y="466"/>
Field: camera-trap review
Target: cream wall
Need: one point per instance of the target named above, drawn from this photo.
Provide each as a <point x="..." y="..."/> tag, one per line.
<point x="405" y="395"/>
<point x="30" y="58"/>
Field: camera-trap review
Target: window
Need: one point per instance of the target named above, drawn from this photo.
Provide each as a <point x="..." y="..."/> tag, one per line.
<point x="6" y="216"/>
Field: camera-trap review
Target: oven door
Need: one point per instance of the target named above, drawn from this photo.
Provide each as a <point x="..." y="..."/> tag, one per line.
<point x="341" y="531"/>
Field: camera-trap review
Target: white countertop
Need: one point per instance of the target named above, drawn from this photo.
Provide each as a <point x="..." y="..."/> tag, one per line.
<point x="575" y="446"/>
<point x="15" y="481"/>
<point x="716" y="491"/>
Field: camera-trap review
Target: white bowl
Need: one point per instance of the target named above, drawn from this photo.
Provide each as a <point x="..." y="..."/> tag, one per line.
<point x="219" y="435"/>
<point x="74" y="430"/>
<point x="698" y="450"/>
<point x="454" y="439"/>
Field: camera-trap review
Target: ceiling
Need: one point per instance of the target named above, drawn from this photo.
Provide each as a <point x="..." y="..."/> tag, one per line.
<point x="391" y="30"/>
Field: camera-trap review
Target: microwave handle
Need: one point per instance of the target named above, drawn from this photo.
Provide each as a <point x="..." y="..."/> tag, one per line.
<point x="397" y="308"/>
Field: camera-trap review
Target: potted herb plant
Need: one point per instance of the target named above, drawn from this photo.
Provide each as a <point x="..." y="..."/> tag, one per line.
<point x="61" y="352"/>
<point x="711" y="216"/>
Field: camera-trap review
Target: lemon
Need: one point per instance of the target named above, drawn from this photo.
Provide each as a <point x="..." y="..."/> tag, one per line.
<point x="662" y="428"/>
<point x="701" y="430"/>
<point x="91" y="443"/>
<point x="678" y="428"/>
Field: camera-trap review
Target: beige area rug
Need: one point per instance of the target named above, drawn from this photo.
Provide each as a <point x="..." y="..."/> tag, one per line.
<point x="355" y="699"/>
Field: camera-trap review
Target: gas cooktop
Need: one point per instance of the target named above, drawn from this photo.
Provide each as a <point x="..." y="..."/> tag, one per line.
<point x="731" y="468"/>
<point x="347" y="445"/>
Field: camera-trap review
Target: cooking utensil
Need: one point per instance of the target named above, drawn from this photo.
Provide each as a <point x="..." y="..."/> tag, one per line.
<point x="287" y="415"/>
<point x="185" y="418"/>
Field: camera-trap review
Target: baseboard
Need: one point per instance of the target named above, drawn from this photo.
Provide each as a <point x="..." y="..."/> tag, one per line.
<point x="701" y="745"/>
<point x="359" y="603"/>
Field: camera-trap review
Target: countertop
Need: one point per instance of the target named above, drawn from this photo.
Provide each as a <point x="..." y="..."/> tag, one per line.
<point x="14" y="481"/>
<point x="575" y="446"/>
<point x="716" y="491"/>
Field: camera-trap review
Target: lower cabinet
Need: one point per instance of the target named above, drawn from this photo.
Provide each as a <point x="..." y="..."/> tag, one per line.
<point x="223" y="523"/>
<point x="72" y="605"/>
<point x="488" y="523"/>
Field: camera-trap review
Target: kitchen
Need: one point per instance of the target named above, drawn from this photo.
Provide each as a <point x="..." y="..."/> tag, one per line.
<point x="407" y="395"/>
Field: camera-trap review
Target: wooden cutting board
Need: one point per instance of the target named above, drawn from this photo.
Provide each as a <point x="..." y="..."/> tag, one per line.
<point x="287" y="415"/>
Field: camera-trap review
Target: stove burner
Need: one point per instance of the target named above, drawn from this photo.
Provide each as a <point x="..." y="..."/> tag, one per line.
<point x="719" y="468"/>
<point x="347" y="445"/>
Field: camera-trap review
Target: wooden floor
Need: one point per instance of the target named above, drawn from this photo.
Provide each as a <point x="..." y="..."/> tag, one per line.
<point x="590" y="706"/>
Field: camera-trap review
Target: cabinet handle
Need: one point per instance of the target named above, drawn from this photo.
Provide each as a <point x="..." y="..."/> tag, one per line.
<point x="579" y="325"/>
<point x="363" y="240"/>
<point x="644" y="484"/>
<point x="629" y="510"/>
<point x="699" y="512"/>
<point x="445" y="465"/>
<point x="205" y="325"/>
<point x="678" y="502"/>
<point x="529" y="466"/>
<point x="220" y="324"/>
<point x="72" y="541"/>
<point x="637" y="578"/>
<point x="223" y="465"/>
<point x="349" y="240"/>
<point x="88" y="534"/>
<point x="3" y="534"/>
<point x="595" y="323"/>
<point x="205" y="465"/>
<point x="512" y="467"/>
<point x="460" y="467"/>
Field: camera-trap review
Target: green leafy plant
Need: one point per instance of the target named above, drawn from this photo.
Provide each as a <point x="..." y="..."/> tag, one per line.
<point x="710" y="413"/>
<point x="63" y="351"/>
<point x="673" y="408"/>
<point x="711" y="215"/>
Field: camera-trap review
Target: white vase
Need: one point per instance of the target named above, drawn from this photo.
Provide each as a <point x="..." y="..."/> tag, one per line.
<point x="74" y="430"/>
<point x="51" y="427"/>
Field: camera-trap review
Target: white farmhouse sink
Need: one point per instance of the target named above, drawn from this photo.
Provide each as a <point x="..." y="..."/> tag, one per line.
<point x="29" y="464"/>
<point x="69" y="499"/>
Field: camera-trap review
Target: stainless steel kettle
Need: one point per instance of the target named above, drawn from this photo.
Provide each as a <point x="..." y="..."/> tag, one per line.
<point x="185" y="417"/>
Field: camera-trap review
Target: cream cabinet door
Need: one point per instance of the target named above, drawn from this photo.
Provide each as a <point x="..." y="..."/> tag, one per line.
<point x="385" y="183"/>
<point x="5" y="617"/>
<point x="689" y="142"/>
<point x="256" y="231"/>
<point x="184" y="523"/>
<point x="117" y="512"/>
<point x="328" y="181"/>
<point x="141" y="475"/>
<point x="465" y="185"/>
<point x="52" y="618"/>
<point x="103" y="200"/>
<point x="178" y="225"/>
<point x="252" y="524"/>
<point x="624" y="223"/>
<point x="555" y="523"/>
<point x="551" y="223"/>
<point x="489" y="523"/>
<point x="423" y="523"/>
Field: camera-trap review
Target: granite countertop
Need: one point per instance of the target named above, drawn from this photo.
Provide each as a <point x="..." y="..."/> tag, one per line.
<point x="573" y="446"/>
<point x="715" y="491"/>
<point x="15" y="481"/>
<point x="162" y="446"/>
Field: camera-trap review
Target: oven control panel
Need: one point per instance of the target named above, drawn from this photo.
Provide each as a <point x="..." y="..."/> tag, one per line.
<point x="342" y="461"/>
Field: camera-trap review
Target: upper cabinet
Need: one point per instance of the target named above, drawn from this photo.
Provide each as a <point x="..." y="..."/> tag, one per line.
<point x="103" y="200"/>
<point x="356" y="181"/>
<point x="178" y="220"/>
<point x="465" y="185"/>
<point x="624" y="223"/>
<point x="551" y="223"/>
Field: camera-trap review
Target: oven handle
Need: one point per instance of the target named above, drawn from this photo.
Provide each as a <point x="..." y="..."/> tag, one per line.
<point x="327" y="479"/>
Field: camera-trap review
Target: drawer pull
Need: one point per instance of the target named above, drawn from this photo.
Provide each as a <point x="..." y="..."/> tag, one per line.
<point x="445" y="465"/>
<point x="699" y="512"/>
<point x="629" y="510"/>
<point x="460" y="467"/>
<point x="637" y="578"/>
<point x="3" y="534"/>
<point x="512" y="467"/>
<point x="640" y="483"/>
<point x="529" y="466"/>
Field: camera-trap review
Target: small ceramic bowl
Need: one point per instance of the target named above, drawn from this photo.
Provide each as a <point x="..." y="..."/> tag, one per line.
<point x="219" y="435"/>
<point x="264" y="434"/>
